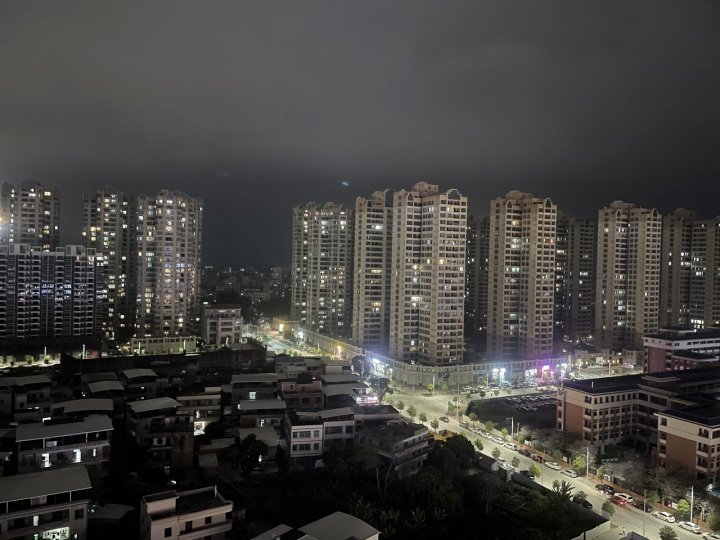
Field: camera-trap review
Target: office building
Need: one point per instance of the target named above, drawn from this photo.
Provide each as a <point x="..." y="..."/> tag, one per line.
<point x="371" y="286"/>
<point x="54" y="297"/>
<point x="45" y="505"/>
<point x="198" y="513"/>
<point x="627" y="277"/>
<point x="109" y="226"/>
<point x="321" y="273"/>
<point x="428" y="275"/>
<point x="574" y="279"/>
<point x="30" y="214"/>
<point x="221" y="324"/>
<point x="169" y="232"/>
<point x="521" y="277"/>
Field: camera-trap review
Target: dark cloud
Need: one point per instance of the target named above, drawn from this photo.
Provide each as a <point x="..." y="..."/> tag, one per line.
<point x="259" y="106"/>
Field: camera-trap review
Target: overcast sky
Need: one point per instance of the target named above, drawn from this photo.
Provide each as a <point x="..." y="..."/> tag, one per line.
<point x="260" y="106"/>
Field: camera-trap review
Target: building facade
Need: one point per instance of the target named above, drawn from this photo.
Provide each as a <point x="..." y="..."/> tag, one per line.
<point x="674" y="348"/>
<point x="428" y="275"/>
<point x="169" y="233"/>
<point x="221" y="324"/>
<point x="627" y="276"/>
<point x="476" y="274"/>
<point x="705" y="274"/>
<point x="521" y="276"/>
<point x="109" y="227"/>
<point x="321" y="273"/>
<point x="371" y="282"/>
<point x="30" y="214"/>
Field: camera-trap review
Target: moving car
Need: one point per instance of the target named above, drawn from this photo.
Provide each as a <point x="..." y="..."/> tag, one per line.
<point x="570" y="473"/>
<point x="553" y="465"/>
<point x="628" y="498"/>
<point x="618" y="500"/>
<point x="604" y="488"/>
<point x="665" y="516"/>
<point x="689" y="526"/>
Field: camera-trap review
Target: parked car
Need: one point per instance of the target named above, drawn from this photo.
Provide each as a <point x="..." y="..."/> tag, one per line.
<point x="625" y="496"/>
<point x="524" y="452"/>
<point x="570" y="473"/>
<point x="444" y="419"/>
<point x="643" y="505"/>
<point x="538" y="458"/>
<point x="618" y="500"/>
<point x="527" y="473"/>
<point x="665" y="516"/>
<point x="582" y="501"/>
<point x="511" y="446"/>
<point x="553" y="465"/>
<point x="711" y="536"/>
<point x="604" y="488"/>
<point x="689" y="526"/>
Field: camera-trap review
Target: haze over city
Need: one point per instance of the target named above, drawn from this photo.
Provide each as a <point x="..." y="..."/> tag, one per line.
<point x="259" y="107"/>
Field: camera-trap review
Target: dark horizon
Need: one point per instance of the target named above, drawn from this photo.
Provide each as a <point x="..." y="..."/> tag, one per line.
<point x="258" y="109"/>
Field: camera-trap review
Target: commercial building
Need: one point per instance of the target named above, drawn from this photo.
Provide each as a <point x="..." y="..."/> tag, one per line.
<point x="428" y="275"/>
<point x="221" y="324"/>
<point x="30" y="214"/>
<point x="198" y="513"/>
<point x="63" y="444"/>
<point x="50" y="504"/>
<point x="322" y="267"/>
<point x="160" y="426"/>
<point x="521" y="277"/>
<point x="50" y="297"/>
<point x="680" y="348"/>
<point x="109" y="227"/>
<point x="169" y="232"/>
<point x="371" y="284"/>
<point x="627" y="276"/>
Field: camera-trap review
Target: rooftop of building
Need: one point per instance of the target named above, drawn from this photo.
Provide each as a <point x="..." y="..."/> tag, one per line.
<point x="282" y="532"/>
<point x="257" y="404"/>
<point x="394" y="432"/>
<point x="136" y="373"/>
<point x="223" y="306"/>
<point x="697" y="356"/>
<point x="99" y="376"/>
<point x="187" y="502"/>
<point x="254" y="378"/>
<point x="343" y="389"/>
<point x="84" y="405"/>
<point x="339" y="378"/>
<point x="40" y="430"/>
<point x="339" y="526"/>
<point x="50" y="482"/>
<point x="155" y="404"/>
<point x="105" y="386"/>
<point x="675" y="333"/>
<point x="706" y="415"/>
<point x="631" y="382"/>
<point x="374" y="409"/>
<point x="25" y="380"/>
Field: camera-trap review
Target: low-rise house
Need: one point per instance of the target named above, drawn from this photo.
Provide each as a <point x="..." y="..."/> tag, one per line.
<point x="250" y="386"/>
<point x="261" y="412"/>
<point x="205" y="408"/>
<point x="336" y="526"/>
<point x="64" y="444"/>
<point x="29" y="397"/>
<point x="139" y="383"/>
<point x="113" y="390"/>
<point x="82" y="408"/>
<point x="402" y="445"/>
<point x="166" y="433"/>
<point x="195" y="514"/>
<point x="290" y="367"/>
<point x="51" y="504"/>
<point x="369" y="416"/>
<point x="305" y="392"/>
<point x="304" y="434"/>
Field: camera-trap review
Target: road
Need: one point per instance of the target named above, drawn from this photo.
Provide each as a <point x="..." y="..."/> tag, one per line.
<point x="629" y="517"/>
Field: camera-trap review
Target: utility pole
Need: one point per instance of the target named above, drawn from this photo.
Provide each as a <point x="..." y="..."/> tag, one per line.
<point x="692" y="500"/>
<point x="587" y="463"/>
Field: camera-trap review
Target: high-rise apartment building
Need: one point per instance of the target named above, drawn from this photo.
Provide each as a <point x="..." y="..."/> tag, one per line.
<point x="109" y="226"/>
<point x="690" y="274"/>
<point x="676" y="270"/>
<point x="169" y="237"/>
<point x="521" y="276"/>
<point x="30" y="214"/>
<point x="476" y="272"/>
<point x="371" y="282"/>
<point x="321" y="274"/>
<point x="574" y="278"/>
<point x="428" y="275"/>
<point x="627" y="278"/>
<point x="56" y="296"/>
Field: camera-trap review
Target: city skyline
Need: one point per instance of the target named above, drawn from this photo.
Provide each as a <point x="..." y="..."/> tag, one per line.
<point x="249" y="108"/>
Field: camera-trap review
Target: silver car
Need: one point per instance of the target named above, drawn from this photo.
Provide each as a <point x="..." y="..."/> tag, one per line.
<point x="689" y="526"/>
<point x="665" y="516"/>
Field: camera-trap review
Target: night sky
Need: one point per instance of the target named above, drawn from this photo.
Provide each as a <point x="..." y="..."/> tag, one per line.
<point x="260" y="106"/>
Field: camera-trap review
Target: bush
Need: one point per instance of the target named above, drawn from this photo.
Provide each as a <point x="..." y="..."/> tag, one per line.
<point x="668" y="533"/>
<point x="608" y="507"/>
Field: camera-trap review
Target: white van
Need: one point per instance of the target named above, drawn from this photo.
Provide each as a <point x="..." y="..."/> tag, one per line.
<point x="570" y="473"/>
<point x="511" y="446"/>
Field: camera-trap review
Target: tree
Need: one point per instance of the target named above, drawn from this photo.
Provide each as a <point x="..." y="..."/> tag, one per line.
<point x="468" y="396"/>
<point x="400" y="405"/>
<point x="482" y="394"/>
<point x="422" y="416"/>
<point x="473" y="418"/>
<point x="535" y="470"/>
<point x="668" y="533"/>
<point x="683" y="509"/>
<point x="652" y="496"/>
<point x="431" y="388"/>
<point x="557" y="455"/>
<point x="479" y="445"/>
<point x="608" y="507"/>
<point x="515" y="462"/>
<point x="562" y="491"/>
<point x="461" y="448"/>
<point x="580" y="495"/>
<point x="496" y="452"/>
<point x="435" y="424"/>
<point x="489" y="425"/>
<point x="215" y="430"/>
<point x="504" y="433"/>
<point x="600" y="473"/>
<point x="412" y="412"/>
<point x="579" y="464"/>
